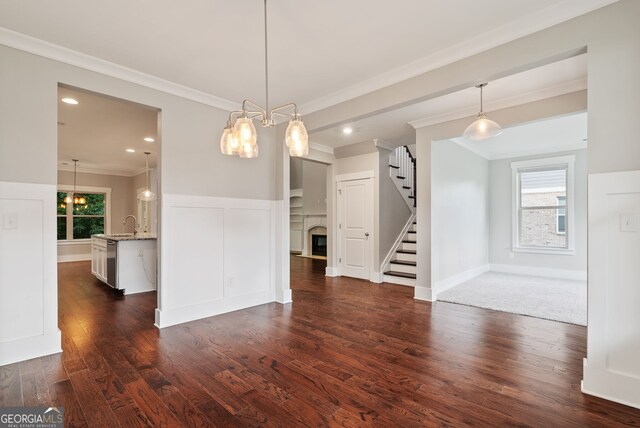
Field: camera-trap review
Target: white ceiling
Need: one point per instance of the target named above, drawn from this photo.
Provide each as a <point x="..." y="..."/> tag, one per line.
<point x="320" y="52"/>
<point x="550" y="80"/>
<point x="545" y="136"/>
<point x="98" y="131"/>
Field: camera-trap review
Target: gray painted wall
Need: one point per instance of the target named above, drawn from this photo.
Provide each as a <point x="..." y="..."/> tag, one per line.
<point x="314" y="187"/>
<point x="500" y="217"/>
<point x="295" y="165"/>
<point x="460" y="208"/>
<point x="191" y="162"/>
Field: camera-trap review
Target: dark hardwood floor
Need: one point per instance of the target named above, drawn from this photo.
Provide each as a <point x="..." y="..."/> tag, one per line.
<point x="345" y="353"/>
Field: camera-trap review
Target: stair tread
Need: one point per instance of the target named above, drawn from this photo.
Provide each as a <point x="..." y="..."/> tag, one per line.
<point x="406" y="251"/>
<point x="401" y="177"/>
<point x="412" y="197"/>
<point x="409" y="242"/>
<point x="401" y="274"/>
<point x="393" y="166"/>
<point x="411" y="231"/>
<point x="406" y="187"/>
<point x="403" y="262"/>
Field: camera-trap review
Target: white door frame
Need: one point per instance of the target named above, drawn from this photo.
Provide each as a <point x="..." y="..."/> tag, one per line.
<point x="362" y="175"/>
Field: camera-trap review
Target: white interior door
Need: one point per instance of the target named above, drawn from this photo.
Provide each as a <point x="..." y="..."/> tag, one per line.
<point x="355" y="208"/>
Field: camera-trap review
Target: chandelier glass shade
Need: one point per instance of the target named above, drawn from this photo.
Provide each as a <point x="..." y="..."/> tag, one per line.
<point x="483" y="127"/>
<point x="240" y="138"/>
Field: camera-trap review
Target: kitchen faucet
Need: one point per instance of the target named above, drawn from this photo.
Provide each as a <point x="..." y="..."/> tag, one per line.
<point x="135" y="221"/>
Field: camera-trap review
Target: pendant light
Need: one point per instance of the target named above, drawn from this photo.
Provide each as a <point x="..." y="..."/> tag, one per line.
<point x="483" y="127"/>
<point x="239" y="137"/>
<point x="147" y="195"/>
<point x="73" y="197"/>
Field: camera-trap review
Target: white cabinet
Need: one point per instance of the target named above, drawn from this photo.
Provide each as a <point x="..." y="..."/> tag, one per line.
<point x="135" y="263"/>
<point x="99" y="258"/>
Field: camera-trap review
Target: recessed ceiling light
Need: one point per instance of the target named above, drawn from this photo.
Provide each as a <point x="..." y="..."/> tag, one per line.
<point x="347" y="131"/>
<point x="149" y="139"/>
<point x="70" y="101"/>
<point x="131" y="150"/>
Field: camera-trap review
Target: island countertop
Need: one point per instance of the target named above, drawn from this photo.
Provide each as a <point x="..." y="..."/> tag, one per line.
<point x="126" y="237"/>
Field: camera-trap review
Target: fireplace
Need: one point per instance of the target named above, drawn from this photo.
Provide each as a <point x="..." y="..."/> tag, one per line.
<point x="319" y="245"/>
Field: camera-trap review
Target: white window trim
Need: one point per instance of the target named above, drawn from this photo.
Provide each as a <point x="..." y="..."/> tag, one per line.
<point x="569" y="161"/>
<point x="107" y="209"/>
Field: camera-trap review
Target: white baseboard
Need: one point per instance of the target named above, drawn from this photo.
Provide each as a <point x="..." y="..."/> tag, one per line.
<point x="423" y="293"/>
<point x="286" y="298"/>
<point x="74" y="258"/>
<point x="331" y="271"/>
<point x="30" y="347"/>
<point x="575" y="275"/>
<point x="173" y="316"/>
<point x="376" y="277"/>
<point x="452" y="281"/>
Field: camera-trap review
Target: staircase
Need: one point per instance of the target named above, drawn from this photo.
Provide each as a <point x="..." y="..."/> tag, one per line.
<point x="401" y="268"/>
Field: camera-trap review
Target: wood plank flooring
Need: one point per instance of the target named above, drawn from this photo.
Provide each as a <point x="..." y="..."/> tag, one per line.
<point x="345" y="353"/>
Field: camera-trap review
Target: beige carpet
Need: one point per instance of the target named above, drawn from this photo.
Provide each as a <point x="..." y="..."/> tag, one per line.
<point x="549" y="298"/>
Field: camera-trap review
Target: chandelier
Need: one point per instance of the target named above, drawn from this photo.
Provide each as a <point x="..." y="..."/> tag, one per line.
<point x="239" y="136"/>
<point x="73" y="197"/>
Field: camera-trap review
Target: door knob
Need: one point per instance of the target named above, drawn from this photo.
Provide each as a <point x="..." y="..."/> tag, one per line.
<point x="366" y="234"/>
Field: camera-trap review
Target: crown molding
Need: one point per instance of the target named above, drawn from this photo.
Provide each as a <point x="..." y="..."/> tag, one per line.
<point x="527" y="97"/>
<point x="474" y="148"/>
<point x="55" y="52"/>
<point x="101" y="171"/>
<point x="378" y="142"/>
<point x="552" y="15"/>
<point x="545" y="18"/>
<point x="321" y="148"/>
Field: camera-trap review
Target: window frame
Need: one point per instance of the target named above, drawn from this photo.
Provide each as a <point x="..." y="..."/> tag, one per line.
<point x="567" y="162"/>
<point x="107" y="210"/>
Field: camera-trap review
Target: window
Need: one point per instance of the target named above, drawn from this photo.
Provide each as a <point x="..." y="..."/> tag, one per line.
<point x="542" y="205"/>
<point x="81" y="221"/>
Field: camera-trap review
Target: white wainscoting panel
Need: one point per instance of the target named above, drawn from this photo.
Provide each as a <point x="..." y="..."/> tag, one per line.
<point x="195" y="255"/>
<point x="28" y="275"/>
<point x="612" y="366"/>
<point x="217" y="256"/>
<point x="247" y="251"/>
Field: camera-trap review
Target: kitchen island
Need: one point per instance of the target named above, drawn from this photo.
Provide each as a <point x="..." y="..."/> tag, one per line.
<point x="125" y="262"/>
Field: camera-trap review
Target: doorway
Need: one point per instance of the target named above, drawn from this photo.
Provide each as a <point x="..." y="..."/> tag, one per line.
<point x="107" y="192"/>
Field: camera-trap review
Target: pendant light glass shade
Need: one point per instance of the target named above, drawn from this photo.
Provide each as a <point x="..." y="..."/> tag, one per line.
<point x="482" y="129"/>
<point x="147" y="195"/>
<point x="297" y="139"/>
<point x="244" y="133"/>
<point x="249" y="152"/>
<point x="228" y="144"/>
